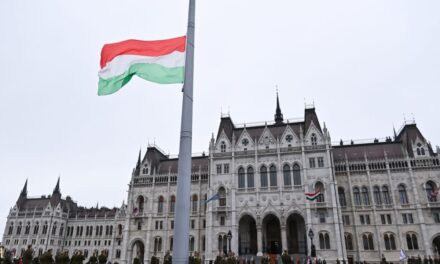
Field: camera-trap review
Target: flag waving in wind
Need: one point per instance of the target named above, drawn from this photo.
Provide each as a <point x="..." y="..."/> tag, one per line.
<point x="402" y="256"/>
<point x="159" y="61"/>
<point x="313" y="196"/>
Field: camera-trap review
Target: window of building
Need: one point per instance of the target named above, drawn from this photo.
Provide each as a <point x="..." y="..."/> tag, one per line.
<point x="222" y="196"/>
<point x="377" y="196"/>
<point x="27" y="229"/>
<point x="157" y="244"/>
<point x="313" y="139"/>
<point x="160" y="205"/>
<point x="172" y="224"/>
<point x="364" y="219"/>
<point x="219" y="169"/>
<point x="324" y="241"/>
<point x="19" y="229"/>
<point x="195" y="203"/>
<point x="431" y="191"/>
<point x="222" y="146"/>
<point x="204" y="223"/>
<point x="365" y="196"/>
<point x="263" y="176"/>
<point x="203" y="243"/>
<point x="386" y="195"/>
<point x="390" y="242"/>
<point x="319" y="187"/>
<point x="171" y="243"/>
<point x="191" y="244"/>
<point x="436" y="217"/>
<point x="357" y="196"/>
<point x="320" y="162"/>
<point x="312" y="163"/>
<point x="273" y="175"/>
<point x="321" y="217"/>
<point x="222" y="220"/>
<point x="346" y="220"/>
<point x="403" y="196"/>
<point x="241" y="178"/>
<point x="139" y="225"/>
<point x="287" y="175"/>
<point x="226" y="168"/>
<point x="296" y="175"/>
<point x="11" y="229"/>
<point x="341" y="196"/>
<point x="367" y="240"/>
<point x="36" y="228"/>
<point x="140" y="204"/>
<point x="193" y="223"/>
<point x="172" y="203"/>
<point x="118" y="253"/>
<point x="250" y="177"/>
<point x="348" y="241"/>
<point x="411" y="241"/>
<point x="407" y="219"/>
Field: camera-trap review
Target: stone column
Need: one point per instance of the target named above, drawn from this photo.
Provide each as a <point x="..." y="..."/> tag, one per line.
<point x="283" y="238"/>
<point x="259" y="239"/>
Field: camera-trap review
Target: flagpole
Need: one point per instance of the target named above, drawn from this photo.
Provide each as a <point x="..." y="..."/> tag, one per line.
<point x="181" y="223"/>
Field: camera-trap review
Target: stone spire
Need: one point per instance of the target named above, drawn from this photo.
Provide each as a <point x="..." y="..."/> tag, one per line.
<point x="278" y="113"/>
<point x="56" y="190"/>
<point x="137" y="170"/>
<point x="24" y="191"/>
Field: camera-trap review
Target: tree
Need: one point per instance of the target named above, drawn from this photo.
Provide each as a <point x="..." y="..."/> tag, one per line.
<point x="93" y="259"/>
<point x="167" y="259"/>
<point x="136" y="261"/>
<point x="285" y="258"/>
<point x="27" y="255"/>
<point x="102" y="258"/>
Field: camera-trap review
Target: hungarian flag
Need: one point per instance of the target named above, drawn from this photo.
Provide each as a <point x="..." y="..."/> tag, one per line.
<point x="312" y="196"/>
<point x="159" y="61"/>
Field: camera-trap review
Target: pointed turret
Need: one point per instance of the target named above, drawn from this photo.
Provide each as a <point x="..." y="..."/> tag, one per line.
<point x="137" y="170"/>
<point x="278" y="113"/>
<point x="24" y="191"/>
<point x="56" y="190"/>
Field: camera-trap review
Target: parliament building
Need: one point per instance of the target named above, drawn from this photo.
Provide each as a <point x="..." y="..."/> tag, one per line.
<point x="375" y="198"/>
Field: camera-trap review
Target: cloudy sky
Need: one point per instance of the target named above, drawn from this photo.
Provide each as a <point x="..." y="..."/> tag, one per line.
<point x="365" y="65"/>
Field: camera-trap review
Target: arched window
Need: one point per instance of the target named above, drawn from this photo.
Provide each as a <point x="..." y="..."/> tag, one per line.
<point x="241" y="178"/>
<point x="411" y="241"/>
<point x="367" y="240"/>
<point x="222" y="196"/>
<point x="36" y="228"/>
<point x="61" y="230"/>
<point x="403" y="196"/>
<point x="418" y="152"/>
<point x="296" y="175"/>
<point x="324" y="241"/>
<point x="431" y="191"/>
<point x="222" y="146"/>
<point x="313" y="139"/>
<point x="27" y="229"/>
<point x="191" y="244"/>
<point x="45" y="228"/>
<point x="54" y="229"/>
<point x="171" y="243"/>
<point x="250" y="177"/>
<point x="286" y="175"/>
<point x="19" y="229"/>
<point x="172" y="203"/>
<point x="273" y="175"/>
<point x="145" y="170"/>
<point x="422" y="150"/>
<point x="140" y="202"/>
<point x="160" y="205"/>
<point x="390" y="242"/>
<point x="157" y="244"/>
<point x="11" y="228"/>
<point x="365" y="196"/>
<point x="319" y="187"/>
<point x="377" y="196"/>
<point x="341" y="195"/>
<point x="357" y="196"/>
<point x="386" y="195"/>
<point x="119" y="229"/>
<point x="194" y="203"/>
<point x="263" y="176"/>
<point x="348" y="241"/>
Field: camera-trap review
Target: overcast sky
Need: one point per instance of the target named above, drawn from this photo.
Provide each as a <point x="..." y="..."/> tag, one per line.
<point x="363" y="63"/>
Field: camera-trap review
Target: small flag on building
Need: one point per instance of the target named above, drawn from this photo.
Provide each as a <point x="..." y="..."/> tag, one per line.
<point x="214" y="197"/>
<point x="313" y="196"/>
<point x="402" y="256"/>
<point x="159" y="61"/>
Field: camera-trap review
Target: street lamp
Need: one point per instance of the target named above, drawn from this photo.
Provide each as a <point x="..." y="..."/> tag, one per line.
<point x="229" y="238"/>
<point x="312" y="247"/>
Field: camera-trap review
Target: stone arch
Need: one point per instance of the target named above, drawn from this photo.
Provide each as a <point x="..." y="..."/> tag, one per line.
<point x="296" y="234"/>
<point x="247" y="235"/>
<point x="435" y="242"/>
<point x="271" y="226"/>
<point x="136" y="250"/>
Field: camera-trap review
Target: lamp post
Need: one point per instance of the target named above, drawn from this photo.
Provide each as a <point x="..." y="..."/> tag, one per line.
<point x="2" y="251"/>
<point x="229" y="238"/>
<point x="312" y="247"/>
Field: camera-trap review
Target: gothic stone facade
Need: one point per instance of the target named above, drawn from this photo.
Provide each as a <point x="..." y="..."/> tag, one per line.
<point x="376" y="198"/>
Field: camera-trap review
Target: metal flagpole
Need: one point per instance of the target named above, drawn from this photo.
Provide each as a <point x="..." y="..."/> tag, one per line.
<point x="181" y="223"/>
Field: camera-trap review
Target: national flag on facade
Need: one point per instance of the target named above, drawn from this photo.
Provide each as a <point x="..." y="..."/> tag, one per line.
<point x="159" y="61"/>
<point x="402" y="256"/>
<point x="312" y="196"/>
<point x="214" y="197"/>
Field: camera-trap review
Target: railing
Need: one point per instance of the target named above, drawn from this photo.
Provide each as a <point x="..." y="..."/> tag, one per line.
<point x="314" y="147"/>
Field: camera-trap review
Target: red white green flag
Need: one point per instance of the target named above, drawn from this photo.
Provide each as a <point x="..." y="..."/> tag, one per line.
<point x="159" y="61"/>
<point x="312" y="196"/>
